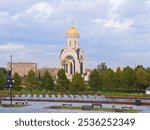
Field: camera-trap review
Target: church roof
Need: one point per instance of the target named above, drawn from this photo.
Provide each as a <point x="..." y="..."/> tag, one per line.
<point x="76" y="50"/>
<point x="72" y="30"/>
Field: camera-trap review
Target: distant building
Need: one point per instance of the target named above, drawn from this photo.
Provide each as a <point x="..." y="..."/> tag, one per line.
<point x="115" y="69"/>
<point x="52" y="71"/>
<point x="22" y="68"/>
<point x="147" y="90"/>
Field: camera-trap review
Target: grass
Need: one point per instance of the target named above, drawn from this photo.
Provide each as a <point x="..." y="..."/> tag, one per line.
<point x="13" y="105"/>
<point x="34" y="91"/>
<point x="93" y="109"/>
<point x="123" y="94"/>
<point x="104" y="93"/>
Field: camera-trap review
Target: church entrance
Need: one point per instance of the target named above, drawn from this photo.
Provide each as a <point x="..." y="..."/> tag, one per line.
<point x="69" y="65"/>
<point x="81" y="68"/>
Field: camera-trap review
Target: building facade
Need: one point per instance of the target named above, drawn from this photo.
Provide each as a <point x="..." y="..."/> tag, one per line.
<point x="22" y="68"/>
<point x="72" y="57"/>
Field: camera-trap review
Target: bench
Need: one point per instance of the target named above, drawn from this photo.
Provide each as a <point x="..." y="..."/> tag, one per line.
<point x="97" y="104"/>
<point x="67" y="105"/>
<point x="6" y="105"/>
<point x="126" y="107"/>
<point x="87" y="107"/>
<point x="120" y="110"/>
<point x="138" y="102"/>
<point x="21" y="103"/>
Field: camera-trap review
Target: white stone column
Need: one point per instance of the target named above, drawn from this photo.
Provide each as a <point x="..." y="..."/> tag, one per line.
<point x="72" y="68"/>
<point x="77" y="66"/>
<point x="69" y="67"/>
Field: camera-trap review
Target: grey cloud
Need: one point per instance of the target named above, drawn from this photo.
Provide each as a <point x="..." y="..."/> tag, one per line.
<point x="43" y="33"/>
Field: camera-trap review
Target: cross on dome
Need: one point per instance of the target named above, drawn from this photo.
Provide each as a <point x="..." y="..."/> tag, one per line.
<point x="72" y="30"/>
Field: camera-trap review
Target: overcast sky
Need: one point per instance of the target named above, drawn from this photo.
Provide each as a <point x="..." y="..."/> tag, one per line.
<point x="113" y="31"/>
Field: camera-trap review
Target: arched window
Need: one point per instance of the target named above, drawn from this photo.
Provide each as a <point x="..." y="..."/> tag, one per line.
<point x="66" y="68"/>
<point x="75" y="43"/>
<point x="81" y="68"/>
<point x="71" y="69"/>
<point x="81" y="57"/>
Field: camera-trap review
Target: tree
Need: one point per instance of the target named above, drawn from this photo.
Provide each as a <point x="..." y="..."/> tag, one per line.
<point x="148" y="75"/>
<point x="102" y="67"/>
<point x="118" y="81"/>
<point x="139" y="67"/>
<point x="39" y="76"/>
<point x="108" y="80"/>
<point x="47" y="81"/>
<point x="4" y="71"/>
<point x="17" y="81"/>
<point x="141" y="80"/>
<point x="2" y="79"/>
<point x="77" y="83"/>
<point x="128" y="79"/>
<point x="62" y="81"/>
<point x="95" y="80"/>
<point x="31" y="79"/>
<point x="26" y="85"/>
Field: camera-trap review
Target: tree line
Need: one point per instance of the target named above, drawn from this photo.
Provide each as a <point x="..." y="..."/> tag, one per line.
<point x="101" y="78"/>
<point x="127" y="79"/>
<point x="47" y="82"/>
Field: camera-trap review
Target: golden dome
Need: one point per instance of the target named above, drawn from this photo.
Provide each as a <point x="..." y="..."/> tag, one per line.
<point x="72" y="30"/>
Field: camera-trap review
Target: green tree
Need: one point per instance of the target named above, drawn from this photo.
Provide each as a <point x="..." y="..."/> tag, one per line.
<point x="4" y="71"/>
<point x="77" y="83"/>
<point x="26" y="85"/>
<point x="2" y="79"/>
<point x="128" y="79"/>
<point x="148" y="75"/>
<point x="62" y="81"/>
<point x="141" y="80"/>
<point x="139" y="67"/>
<point x="102" y="67"/>
<point x="95" y="80"/>
<point x="39" y="76"/>
<point x="32" y="80"/>
<point x="17" y="81"/>
<point x="118" y="81"/>
<point x="108" y="79"/>
<point x="47" y="81"/>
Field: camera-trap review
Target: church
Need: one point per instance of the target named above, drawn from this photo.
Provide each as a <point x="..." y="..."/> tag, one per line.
<point x="72" y="57"/>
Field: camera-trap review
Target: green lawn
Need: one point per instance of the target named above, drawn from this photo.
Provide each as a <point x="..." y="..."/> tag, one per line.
<point x="104" y="93"/>
<point x="124" y="94"/>
<point x="13" y="105"/>
<point x="94" y="109"/>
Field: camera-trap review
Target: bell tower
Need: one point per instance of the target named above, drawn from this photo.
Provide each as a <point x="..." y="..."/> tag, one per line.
<point x="72" y="37"/>
<point x="72" y="57"/>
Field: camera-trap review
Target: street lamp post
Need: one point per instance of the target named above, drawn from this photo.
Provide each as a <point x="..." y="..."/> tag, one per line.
<point x="11" y="95"/>
<point x="10" y="80"/>
<point x="10" y="87"/>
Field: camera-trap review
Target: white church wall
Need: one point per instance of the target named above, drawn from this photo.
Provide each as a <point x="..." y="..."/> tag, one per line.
<point x="72" y="49"/>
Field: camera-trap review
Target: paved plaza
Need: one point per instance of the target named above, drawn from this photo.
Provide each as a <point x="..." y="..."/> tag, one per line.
<point x="38" y="103"/>
<point x="40" y="107"/>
